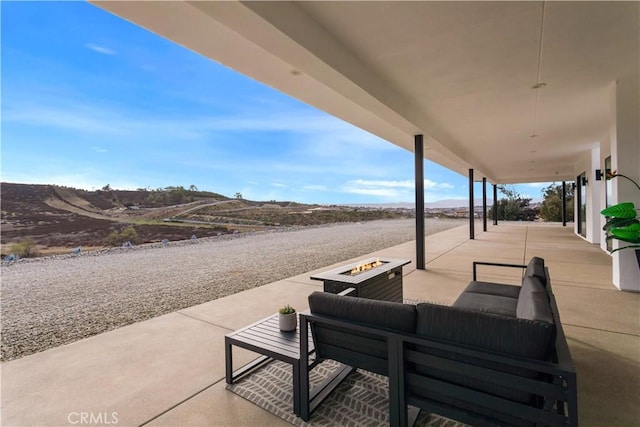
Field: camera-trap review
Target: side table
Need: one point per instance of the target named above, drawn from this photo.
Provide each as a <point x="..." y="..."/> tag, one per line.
<point x="265" y="337"/>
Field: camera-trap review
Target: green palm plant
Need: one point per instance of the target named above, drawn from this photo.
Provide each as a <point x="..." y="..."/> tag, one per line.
<point x="622" y="223"/>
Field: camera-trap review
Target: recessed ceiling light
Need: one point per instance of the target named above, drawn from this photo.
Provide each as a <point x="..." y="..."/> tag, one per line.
<point x="533" y="135"/>
<point x="532" y="151"/>
<point x="295" y="72"/>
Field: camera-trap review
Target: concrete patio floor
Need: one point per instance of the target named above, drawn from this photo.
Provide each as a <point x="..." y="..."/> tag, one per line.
<point x="169" y="371"/>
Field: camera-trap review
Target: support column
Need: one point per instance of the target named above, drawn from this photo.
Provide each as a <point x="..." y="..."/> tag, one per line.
<point x="471" y="218"/>
<point x="564" y="203"/>
<point x="484" y="203"/>
<point x="495" y="204"/>
<point x="625" y="159"/>
<point x="419" y="174"/>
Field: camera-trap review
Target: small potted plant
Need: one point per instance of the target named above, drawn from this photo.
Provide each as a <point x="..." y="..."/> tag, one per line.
<point x="622" y="223"/>
<point x="287" y="318"/>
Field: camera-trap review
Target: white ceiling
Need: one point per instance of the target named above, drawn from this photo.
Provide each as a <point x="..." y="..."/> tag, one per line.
<point x="461" y="73"/>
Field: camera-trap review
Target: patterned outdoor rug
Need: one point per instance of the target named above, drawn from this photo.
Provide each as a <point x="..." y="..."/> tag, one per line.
<point x="360" y="400"/>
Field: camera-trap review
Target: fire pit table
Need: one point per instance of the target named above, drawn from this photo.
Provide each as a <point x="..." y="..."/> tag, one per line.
<point x="374" y="278"/>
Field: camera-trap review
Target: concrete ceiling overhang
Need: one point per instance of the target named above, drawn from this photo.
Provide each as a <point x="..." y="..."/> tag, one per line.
<point x="460" y="73"/>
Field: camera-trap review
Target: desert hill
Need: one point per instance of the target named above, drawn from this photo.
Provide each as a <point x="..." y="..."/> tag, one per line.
<point x="55" y="219"/>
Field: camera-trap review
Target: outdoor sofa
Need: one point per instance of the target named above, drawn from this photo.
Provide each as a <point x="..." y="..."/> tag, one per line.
<point x="497" y="356"/>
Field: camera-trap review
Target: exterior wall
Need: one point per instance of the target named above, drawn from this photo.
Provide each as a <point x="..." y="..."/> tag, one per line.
<point x="588" y="163"/>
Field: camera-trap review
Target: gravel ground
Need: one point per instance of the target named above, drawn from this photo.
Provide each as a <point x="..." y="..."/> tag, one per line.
<point x="50" y="301"/>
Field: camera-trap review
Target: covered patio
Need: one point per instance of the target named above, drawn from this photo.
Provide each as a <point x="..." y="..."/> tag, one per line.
<point x="169" y="370"/>
<point x="507" y="92"/>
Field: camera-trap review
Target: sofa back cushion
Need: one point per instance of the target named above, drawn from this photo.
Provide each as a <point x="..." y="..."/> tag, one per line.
<point x="533" y="301"/>
<point x="383" y="314"/>
<point x="486" y="332"/>
<point x="535" y="268"/>
<point x="361" y="350"/>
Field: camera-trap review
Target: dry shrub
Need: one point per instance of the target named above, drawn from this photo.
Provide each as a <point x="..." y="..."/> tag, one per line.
<point x="24" y="249"/>
<point x="128" y="234"/>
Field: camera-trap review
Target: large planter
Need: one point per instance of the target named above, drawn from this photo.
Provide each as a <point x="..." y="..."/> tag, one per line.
<point x="288" y="322"/>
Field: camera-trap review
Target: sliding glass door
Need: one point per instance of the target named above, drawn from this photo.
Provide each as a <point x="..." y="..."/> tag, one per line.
<point x="608" y="191"/>
<point x="581" y="193"/>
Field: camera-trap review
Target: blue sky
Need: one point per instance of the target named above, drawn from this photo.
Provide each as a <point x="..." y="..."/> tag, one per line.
<point x="89" y="99"/>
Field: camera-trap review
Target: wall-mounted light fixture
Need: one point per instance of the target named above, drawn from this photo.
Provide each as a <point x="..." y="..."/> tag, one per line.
<point x="585" y="181"/>
<point x="598" y="174"/>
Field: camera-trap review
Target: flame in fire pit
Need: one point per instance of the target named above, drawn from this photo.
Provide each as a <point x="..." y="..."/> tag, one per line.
<point x="365" y="266"/>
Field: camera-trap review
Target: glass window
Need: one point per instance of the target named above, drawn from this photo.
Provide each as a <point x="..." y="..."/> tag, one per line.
<point x="582" y="203"/>
<point x="608" y="187"/>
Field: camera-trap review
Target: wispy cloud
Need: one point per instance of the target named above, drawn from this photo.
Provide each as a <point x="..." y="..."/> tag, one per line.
<point x="401" y="184"/>
<point x="83" y="118"/>
<point x="315" y="188"/>
<point x="100" y="49"/>
<point x="432" y="185"/>
<point x="377" y="192"/>
<point x="89" y="116"/>
<point x="99" y="149"/>
<point x="383" y="184"/>
<point x="319" y="144"/>
<point x="398" y="189"/>
<point x="378" y="188"/>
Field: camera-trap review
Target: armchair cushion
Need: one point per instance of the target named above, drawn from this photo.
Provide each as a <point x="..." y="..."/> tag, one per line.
<point x="487" y="288"/>
<point x="487" y="303"/>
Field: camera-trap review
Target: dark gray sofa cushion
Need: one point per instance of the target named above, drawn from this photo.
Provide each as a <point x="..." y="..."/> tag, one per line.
<point x="495" y="332"/>
<point x="360" y="350"/>
<point x="535" y="268"/>
<point x="382" y="314"/>
<point x="487" y="303"/>
<point x="488" y="288"/>
<point x="532" y="284"/>
<point x="483" y="331"/>
<point x="533" y="303"/>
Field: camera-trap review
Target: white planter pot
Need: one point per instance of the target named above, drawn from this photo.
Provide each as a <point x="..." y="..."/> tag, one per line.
<point x="288" y="322"/>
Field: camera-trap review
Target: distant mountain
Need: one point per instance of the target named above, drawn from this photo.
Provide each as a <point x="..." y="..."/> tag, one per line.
<point x="456" y="203"/>
<point x="440" y="204"/>
<point x="398" y="205"/>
